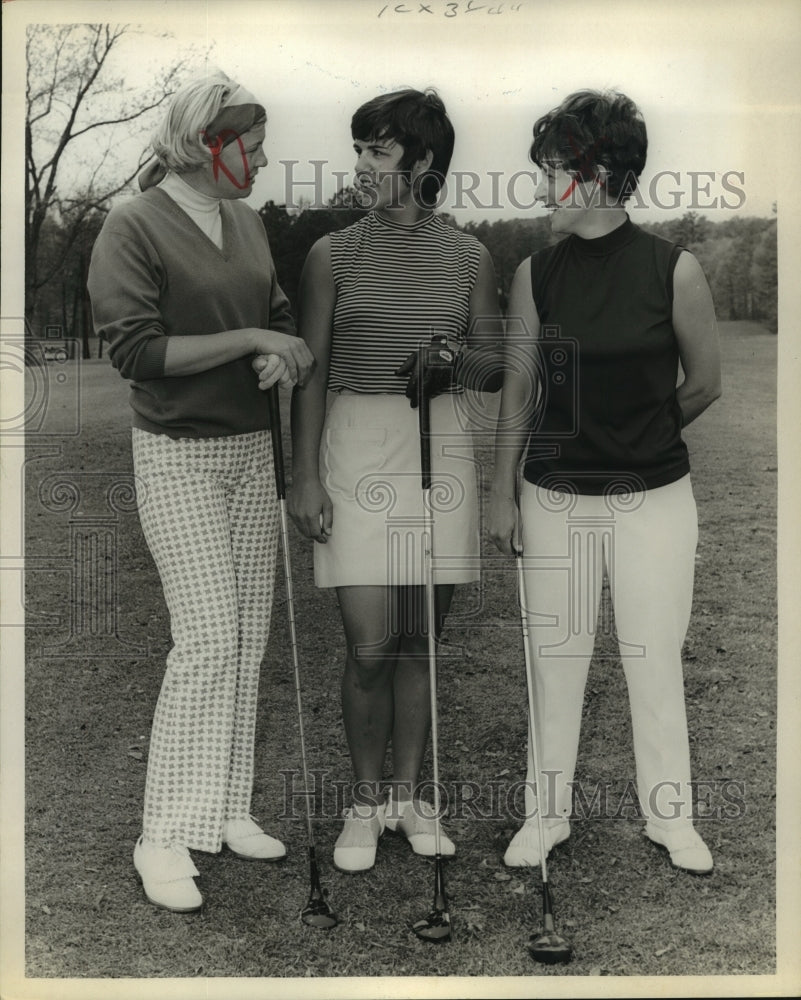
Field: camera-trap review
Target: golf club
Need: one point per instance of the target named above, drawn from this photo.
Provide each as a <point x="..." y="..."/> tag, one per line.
<point x="548" y="946"/>
<point x="316" y="912"/>
<point x="437" y="925"/>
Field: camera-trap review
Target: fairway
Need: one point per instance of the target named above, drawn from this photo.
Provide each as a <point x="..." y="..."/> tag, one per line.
<point x="97" y="636"/>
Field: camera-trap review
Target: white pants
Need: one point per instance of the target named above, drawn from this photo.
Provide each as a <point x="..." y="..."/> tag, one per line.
<point x="646" y="544"/>
<point x="210" y="518"/>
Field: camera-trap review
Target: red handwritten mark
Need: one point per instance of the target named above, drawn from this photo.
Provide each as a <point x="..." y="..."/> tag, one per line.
<point x="575" y="182"/>
<point x="216" y="147"/>
<point x="585" y="166"/>
<point x="570" y="190"/>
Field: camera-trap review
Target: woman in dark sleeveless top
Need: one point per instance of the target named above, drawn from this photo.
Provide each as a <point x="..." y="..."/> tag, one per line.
<point x="603" y="319"/>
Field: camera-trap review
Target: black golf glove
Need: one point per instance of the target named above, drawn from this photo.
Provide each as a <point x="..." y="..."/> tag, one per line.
<point x="440" y="365"/>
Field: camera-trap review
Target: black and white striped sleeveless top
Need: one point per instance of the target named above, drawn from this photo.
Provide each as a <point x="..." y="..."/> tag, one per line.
<point x="396" y="286"/>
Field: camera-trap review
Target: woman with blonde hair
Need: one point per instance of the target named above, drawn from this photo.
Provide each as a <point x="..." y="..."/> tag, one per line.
<point x="183" y="289"/>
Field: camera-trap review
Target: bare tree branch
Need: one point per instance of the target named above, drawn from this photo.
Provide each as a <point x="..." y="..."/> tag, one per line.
<point x="67" y="81"/>
<point x="120" y="121"/>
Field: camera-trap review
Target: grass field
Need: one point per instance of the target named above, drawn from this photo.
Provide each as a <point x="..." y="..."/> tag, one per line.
<point x="92" y="683"/>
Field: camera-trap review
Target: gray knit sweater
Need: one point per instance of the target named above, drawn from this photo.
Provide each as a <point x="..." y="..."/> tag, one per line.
<point x="153" y="275"/>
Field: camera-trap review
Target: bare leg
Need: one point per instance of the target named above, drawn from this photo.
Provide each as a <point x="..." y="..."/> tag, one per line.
<point x="372" y="640"/>
<point x="412" y="717"/>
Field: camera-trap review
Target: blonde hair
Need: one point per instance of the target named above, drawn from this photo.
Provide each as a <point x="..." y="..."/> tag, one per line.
<point x="177" y="141"/>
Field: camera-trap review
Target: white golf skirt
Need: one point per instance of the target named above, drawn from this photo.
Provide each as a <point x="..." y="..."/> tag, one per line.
<point x="370" y="467"/>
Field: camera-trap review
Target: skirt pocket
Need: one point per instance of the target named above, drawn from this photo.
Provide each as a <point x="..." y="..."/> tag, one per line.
<point x="350" y="456"/>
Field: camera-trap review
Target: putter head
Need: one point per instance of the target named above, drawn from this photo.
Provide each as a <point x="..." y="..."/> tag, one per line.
<point x="317" y="913"/>
<point x="550" y="948"/>
<point x="435" y="927"/>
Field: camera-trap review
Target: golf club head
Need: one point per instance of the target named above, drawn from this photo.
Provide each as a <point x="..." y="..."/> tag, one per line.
<point x="550" y="948"/>
<point x="435" y="927"/>
<point x="317" y="913"/>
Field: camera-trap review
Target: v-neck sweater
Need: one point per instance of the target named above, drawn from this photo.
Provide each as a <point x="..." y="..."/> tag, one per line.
<point x="154" y="274"/>
<point x="201" y="208"/>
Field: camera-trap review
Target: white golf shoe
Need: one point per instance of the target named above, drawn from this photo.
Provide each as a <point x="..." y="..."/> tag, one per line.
<point x="524" y="848"/>
<point x="415" y="820"/>
<point x="685" y="846"/>
<point x="356" y="845"/>
<point x="167" y="875"/>
<point x="246" y="839"/>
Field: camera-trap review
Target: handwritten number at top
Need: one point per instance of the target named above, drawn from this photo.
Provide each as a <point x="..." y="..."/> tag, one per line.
<point x="451" y="9"/>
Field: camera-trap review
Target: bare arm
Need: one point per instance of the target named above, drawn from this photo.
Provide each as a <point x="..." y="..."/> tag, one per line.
<point x="309" y="504"/>
<point x="482" y="367"/>
<point x="697" y="333"/>
<point x="520" y="387"/>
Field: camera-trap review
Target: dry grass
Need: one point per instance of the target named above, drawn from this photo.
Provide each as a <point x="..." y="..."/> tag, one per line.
<point x="626" y="911"/>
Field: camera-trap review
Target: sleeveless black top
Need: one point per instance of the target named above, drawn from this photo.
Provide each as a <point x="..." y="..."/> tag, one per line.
<point x="607" y="417"/>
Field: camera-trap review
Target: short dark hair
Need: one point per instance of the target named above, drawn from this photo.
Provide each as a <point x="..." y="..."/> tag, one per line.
<point x="593" y="128"/>
<point x="419" y="122"/>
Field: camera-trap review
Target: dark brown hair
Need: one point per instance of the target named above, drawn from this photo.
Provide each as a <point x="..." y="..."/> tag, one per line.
<point x="593" y="128"/>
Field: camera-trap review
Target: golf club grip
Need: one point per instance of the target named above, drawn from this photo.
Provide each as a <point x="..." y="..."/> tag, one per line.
<point x="274" y="409"/>
<point x="424" y="420"/>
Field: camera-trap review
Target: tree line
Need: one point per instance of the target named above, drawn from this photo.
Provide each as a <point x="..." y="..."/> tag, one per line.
<point x="739" y="258"/>
<point x="71" y="72"/>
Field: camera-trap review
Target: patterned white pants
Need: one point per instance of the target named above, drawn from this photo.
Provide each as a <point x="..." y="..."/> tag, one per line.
<point x="210" y="518"/>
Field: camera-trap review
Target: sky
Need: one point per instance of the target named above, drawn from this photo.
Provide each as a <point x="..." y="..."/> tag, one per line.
<point x="716" y="84"/>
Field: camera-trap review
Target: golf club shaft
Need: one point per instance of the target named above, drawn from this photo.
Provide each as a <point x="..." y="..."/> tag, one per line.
<point x="432" y="659"/>
<point x="547" y="909"/>
<point x="548" y="947"/>
<point x="280" y="486"/>
<point x="424" y="417"/>
<point x="532" y="729"/>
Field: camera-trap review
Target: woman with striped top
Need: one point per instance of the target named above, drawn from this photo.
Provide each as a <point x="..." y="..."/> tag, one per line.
<point x="369" y="295"/>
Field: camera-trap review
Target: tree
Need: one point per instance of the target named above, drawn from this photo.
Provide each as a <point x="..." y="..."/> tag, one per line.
<point x="764" y="275"/>
<point x="292" y="235"/>
<point x="690" y="229"/>
<point x="63" y="302"/>
<point x="510" y="241"/>
<point x="74" y="94"/>
<point x="739" y="259"/>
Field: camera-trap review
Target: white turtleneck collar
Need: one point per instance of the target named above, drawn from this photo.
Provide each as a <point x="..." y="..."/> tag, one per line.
<point x="201" y="208"/>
